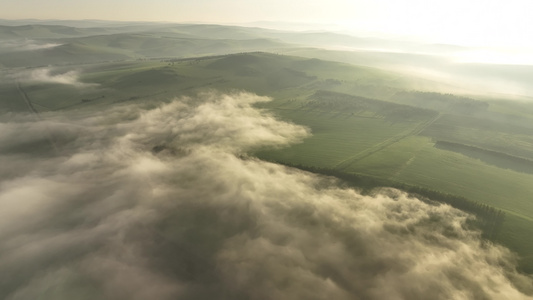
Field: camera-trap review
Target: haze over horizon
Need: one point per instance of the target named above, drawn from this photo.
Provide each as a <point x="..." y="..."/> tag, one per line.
<point x="472" y="23"/>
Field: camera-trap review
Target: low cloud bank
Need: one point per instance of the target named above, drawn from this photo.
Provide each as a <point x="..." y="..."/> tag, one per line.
<point x="164" y="203"/>
<point x="48" y="75"/>
<point x="24" y="45"/>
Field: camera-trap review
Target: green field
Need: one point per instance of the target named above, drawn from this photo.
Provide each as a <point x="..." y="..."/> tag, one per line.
<point x="364" y="121"/>
<point x="405" y="152"/>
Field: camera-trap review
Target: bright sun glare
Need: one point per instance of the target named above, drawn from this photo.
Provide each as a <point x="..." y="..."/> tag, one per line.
<point x="496" y="32"/>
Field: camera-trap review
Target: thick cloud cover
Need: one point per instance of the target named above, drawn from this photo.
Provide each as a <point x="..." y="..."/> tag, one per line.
<point x="164" y="203"/>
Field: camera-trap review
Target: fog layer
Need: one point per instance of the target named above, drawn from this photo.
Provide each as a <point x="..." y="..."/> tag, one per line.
<point x="49" y="75"/>
<point x="24" y="45"/>
<point x="164" y="203"/>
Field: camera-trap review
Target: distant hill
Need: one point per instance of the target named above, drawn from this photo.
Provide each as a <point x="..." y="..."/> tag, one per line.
<point x="108" y="47"/>
<point x="47" y="31"/>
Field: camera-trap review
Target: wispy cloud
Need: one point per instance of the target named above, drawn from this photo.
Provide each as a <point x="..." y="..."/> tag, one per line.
<point x="50" y="75"/>
<point x="164" y="203"/>
<point x="24" y="45"/>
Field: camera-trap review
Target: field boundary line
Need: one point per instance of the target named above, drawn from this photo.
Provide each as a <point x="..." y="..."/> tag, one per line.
<point x="380" y="146"/>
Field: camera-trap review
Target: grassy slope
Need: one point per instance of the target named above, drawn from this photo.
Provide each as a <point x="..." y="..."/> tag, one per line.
<point x="401" y="155"/>
<point x="362" y="140"/>
<point x="78" y="46"/>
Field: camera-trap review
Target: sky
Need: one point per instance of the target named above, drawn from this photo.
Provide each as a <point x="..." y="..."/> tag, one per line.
<point x="473" y="22"/>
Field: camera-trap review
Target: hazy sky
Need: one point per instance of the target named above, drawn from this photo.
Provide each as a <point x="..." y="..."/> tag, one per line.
<point x="458" y="21"/>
